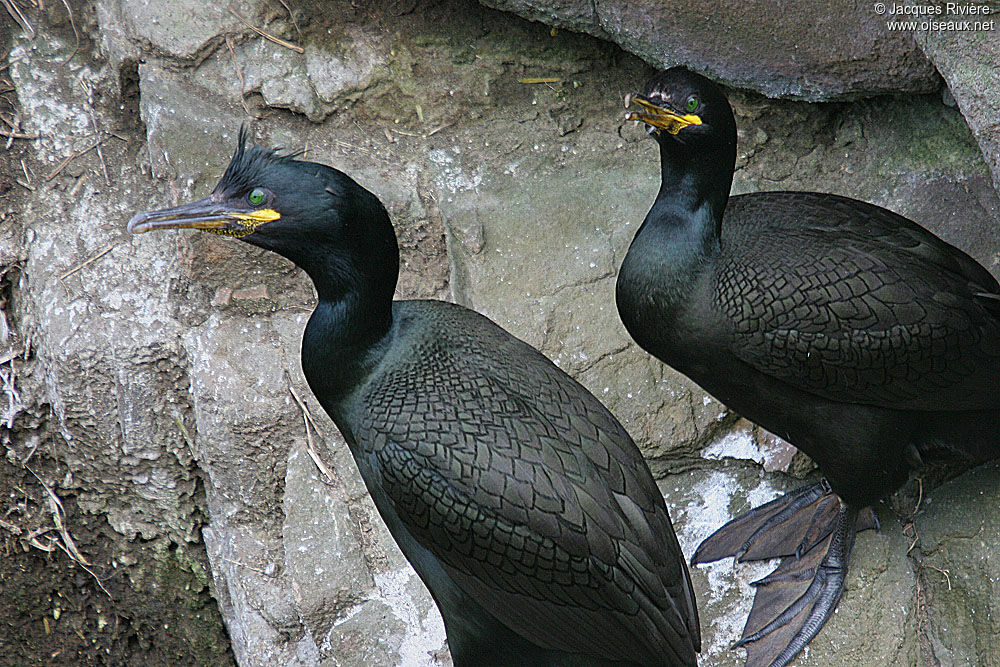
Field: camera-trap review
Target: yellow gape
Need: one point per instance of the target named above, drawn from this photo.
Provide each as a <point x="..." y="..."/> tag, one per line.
<point x="659" y="117"/>
<point x="250" y="222"/>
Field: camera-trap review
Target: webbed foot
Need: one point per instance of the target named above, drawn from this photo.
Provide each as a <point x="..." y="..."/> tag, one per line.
<point x="812" y="530"/>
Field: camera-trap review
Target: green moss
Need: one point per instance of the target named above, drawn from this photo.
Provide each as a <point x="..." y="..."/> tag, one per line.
<point x="929" y="137"/>
<point x="182" y="574"/>
<point x="180" y="582"/>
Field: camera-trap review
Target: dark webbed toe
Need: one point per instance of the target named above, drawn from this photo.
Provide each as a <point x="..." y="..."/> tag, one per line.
<point x="812" y="530"/>
<point x="795" y="601"/>
<point x="790" y="524"/>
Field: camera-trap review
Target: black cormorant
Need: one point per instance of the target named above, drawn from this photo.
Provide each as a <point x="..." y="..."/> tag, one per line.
<point x="521" y="502"/>
<point x="846" y="329"/>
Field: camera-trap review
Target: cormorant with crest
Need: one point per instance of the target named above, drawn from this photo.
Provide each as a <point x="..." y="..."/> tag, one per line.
<point x="521" y="502"/>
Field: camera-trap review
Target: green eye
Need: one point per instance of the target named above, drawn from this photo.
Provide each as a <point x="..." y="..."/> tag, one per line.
<point x="256" y="196"/>
<point x="692" y="104"/>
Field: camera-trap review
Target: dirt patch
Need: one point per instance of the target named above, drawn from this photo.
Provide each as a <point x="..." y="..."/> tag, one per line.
<point x="75" y="591"/>
<point x="56" y="610"/>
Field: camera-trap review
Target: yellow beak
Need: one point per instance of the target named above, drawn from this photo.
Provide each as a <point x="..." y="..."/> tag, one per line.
<point x="657" y="116"/>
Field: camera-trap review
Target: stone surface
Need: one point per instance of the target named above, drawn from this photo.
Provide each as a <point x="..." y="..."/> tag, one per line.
<point x="967" y="59"/>
<point x="167" y="363"/>
<point x="803" y="50"/>
<point x="880" y="589"/>
<point x="183" y="29"/>
<point x="959" y="568"/>
<point x="807" y="51"/>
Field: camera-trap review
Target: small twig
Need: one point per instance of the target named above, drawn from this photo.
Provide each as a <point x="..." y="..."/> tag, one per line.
<point x="9" y="381"/>
<point x="239" y="73"/>
<point x="910" y="525"/>
<point x="9" y="356"/>
<point x="89" y="571"/>
<point x="18" y="135"/>
<point x="276" y="40"/>
<point x="89" y="261"/>
<point x="24" y="168"/>
<point x="539" y="79"/>
<point x="344" y="144"/>
<point x="946" y="573"/>
<point x="87" y="88"/>
<point x="308" y="420"/>
<point x="184" y="433"/>
<point x="100" y="153"/>
<point x="10" y="137"/>
<point x="38" y="532"/>
<point x="438" y="129"/>
<point x="19" y="18"/>
<point x="67" y="545"/>
<point x="48" y="548"/>
<point x="31" y="452"/>
<point x="58" y="512"/>
<point x="910" y="530"/>
<point x="26" y="186"/>
<point x="291" y="16"/>
<point x="72" y="156"/>
<point x="11" y="527"/>
<point x="11" y="510"/>
<point x="76" y="34"/>
<point x="241" y="564"/>
<point x="78" y="185"/>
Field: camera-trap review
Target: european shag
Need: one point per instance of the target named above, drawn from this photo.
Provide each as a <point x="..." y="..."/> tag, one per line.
<point x="846" y="329"/>
<point x="521" y="502"/>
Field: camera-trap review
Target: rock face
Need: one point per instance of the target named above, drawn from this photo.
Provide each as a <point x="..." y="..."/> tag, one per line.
<point x="807" y="50"/>
<point x="959" y="568"/>
<point x="801" y="49"/>
<point x="967" y="59"/>
<point x="160" y="397"/>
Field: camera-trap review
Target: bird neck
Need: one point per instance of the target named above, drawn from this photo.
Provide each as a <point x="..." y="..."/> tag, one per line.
<point x="355" y="283"/>
<point x="694" y="187"/>
<point x="680" y="234"/>
<point x="685" y="222"/>
<point x="341" y="345"/>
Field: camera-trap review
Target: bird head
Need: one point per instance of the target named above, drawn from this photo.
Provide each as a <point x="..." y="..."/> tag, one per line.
<point x="314" y="215"/>
<point x="681" y="107"/>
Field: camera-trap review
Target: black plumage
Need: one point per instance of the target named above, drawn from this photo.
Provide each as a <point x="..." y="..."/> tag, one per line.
<point x="850" y="331"/>
<point x="521" y="502"/>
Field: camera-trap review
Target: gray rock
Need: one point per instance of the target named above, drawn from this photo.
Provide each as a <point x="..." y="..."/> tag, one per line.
<point x="116" y="385"/>
<point x="182" y="135"/>
<point x="803" y="50"/>
<point x="880" y="589"/>
<point x="184" y="29"/>
<point x="967" y="59"/>
<point x="959" y="568"/>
